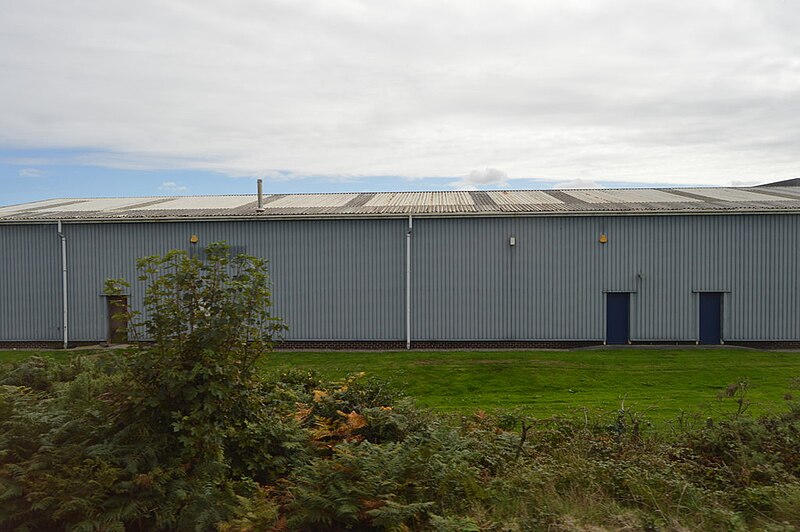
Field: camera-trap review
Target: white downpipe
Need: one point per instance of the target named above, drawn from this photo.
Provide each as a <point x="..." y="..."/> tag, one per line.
<point x="64" y="281"/>
<point x="408" y="285"/>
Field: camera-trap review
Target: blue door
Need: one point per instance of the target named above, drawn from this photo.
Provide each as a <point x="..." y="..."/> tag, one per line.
<point x="617" y="317"/>
<point x="710" y="317"/>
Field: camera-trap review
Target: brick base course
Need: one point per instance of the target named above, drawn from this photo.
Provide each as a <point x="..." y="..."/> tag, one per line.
<point x="395" y="345"/>
<point x="768" y="344"/>
<point x="429" y="344"/>
<point x="39" y="344"/>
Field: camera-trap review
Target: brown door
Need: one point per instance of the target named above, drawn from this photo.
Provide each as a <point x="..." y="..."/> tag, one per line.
<point x="117" y="310"/>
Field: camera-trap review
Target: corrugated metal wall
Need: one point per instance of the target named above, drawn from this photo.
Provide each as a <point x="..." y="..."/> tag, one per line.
<point x="30" y="283"/>
<point x="345" y="279"/>
<point x="469" y="283"/>
<point x="335" y="280"/>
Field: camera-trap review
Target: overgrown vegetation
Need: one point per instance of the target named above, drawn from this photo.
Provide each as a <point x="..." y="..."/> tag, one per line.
<point x="187" y="435"/>
<point x="309" y="455"/>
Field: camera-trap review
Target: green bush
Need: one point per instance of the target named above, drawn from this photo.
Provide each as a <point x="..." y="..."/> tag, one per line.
<point x="371" y="486"/>
<point x="167" y="435"/>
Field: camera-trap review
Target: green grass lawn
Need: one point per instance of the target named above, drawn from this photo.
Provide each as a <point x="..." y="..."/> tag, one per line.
<point x="18" y="355"/>
<point x="660" y="383"/>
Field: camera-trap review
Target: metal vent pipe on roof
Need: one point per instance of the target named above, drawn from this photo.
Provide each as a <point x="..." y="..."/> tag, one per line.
<point x="260" y="207"/>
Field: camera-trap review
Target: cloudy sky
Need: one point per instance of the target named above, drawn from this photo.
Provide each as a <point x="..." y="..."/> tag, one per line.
<point x="145" y="97"/>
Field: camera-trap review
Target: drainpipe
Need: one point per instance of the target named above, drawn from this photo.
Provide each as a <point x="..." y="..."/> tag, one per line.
<point x="408" y="285"/>
<point x="63" y="238"/>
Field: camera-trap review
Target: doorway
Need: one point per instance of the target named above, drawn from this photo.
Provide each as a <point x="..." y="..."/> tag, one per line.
<point x="618" y="306"/>
<point x="710" y="318"/>
<point x="117" y="314"/>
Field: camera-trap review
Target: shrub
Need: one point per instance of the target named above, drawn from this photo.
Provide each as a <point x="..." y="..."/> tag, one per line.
<point x="161" y="437"/>
<point x="369" y="486"/>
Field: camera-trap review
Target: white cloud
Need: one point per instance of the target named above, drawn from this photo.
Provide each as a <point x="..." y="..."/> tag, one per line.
<point x="172" y="186"/>
<point x="30" y="172"/>
<point x="478" y="178"/>
<point x="577" y="183"/>
<point x="460" y="185"/>
<point x="746" y="183"/>
<point x="656" y="91"/>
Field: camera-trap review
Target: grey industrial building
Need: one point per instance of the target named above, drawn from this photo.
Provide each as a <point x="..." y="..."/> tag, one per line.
<point x="525" y="267"/>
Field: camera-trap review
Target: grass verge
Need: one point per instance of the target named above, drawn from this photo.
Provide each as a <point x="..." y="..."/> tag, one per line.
<point x="660" y="383"/>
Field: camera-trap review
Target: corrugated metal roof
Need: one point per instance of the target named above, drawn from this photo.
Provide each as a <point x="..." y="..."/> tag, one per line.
<point x="198" y="203"/>
<point x="33" y="206"/>
<point x="451" y="203"/>
<point x="732" y="194"/>
<point x="521" y="197"/>
<point x="421" y="200"/>
<point x="101" y="204"/>
<point x="792" y="191"/>
<point x="632" y="195"/>
<point x="300" y="201"/>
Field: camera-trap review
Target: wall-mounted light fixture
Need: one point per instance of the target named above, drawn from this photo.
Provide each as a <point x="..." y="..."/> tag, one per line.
<point x="512" y="241"/>
<point x="603" y="238"/>
<point x="194" y="239"/>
